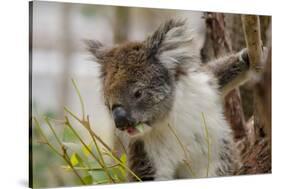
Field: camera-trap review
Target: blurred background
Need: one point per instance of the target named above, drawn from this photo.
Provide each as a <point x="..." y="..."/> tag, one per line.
<point x="59" y="54"/>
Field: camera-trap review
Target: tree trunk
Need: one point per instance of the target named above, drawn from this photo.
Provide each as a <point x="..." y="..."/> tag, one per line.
<point x="235" y="31"/>
<point x="258" y="157"/>
<point x="217" y="44"/>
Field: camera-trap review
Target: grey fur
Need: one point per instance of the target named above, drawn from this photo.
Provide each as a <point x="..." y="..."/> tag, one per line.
<point x="155" y="41"/>
<point x="94" y="47"/>
<point x="172" y="45"/>
<point x="155" y="67"/>
<point x="139" y="162"/>
<point x="231" y="71"/>
<point x="228" y="156"/>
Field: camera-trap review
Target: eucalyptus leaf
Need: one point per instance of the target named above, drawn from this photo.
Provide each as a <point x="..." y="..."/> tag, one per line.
<point x="75" y="159"/>
<point x="86" y="152"/>
<point x="139" y="127"/>
<point x="88" y="179"/>
<point x="68" y="135"/>
<point x="99" y="176"/>
<point x="123" y="158"/>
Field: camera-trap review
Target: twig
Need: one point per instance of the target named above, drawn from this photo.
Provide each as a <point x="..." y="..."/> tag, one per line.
<point x="53" y="131"/>
<point x="90" y="131"/>
<point x="121" y="143"/>
<point x="89" y="150"/>
<point x="56" y="120"/>
<point x="101" y="141"/>
<point x="98" y="149"/>
<point x="92" y="169"/>
<point x="64" y="155"/>
<point x="109" y="153"/>
<point x="208" y="143"/>
<point x="251" y="27"/>
<point x="80" y="99"/>
<point x="44" y="136"/>
<point x="184" y="151"/>
<point x="86" y="124"/>
<point x="67" y="159"/>
<point x="113" y="155"/>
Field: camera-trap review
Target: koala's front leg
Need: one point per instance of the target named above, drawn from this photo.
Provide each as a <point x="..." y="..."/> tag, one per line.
<point x="231" y="71"/>
<point x="139" y="162"/>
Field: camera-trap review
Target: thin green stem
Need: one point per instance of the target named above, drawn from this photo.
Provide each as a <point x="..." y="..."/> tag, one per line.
<point x="113" y="155"/>
<point x="44" y="136"/>
<point x="109" y="153"/>
<point x="63" y="156"/>
<point x="208" y="143"/>
<point x="90" y="131"/>
<point x="184" y="151"/>
<point x="98" y="149"/>
<point x="90" y="151"/>
<point x="121" y="143"/>
<point x="73" y="115"/>
<point x="56" y="120"/>
<point x="53" y="131"/>
<point x="80" y="98"/>
<point x="93" y="169"/>
<point x="80" y="139"/>
<point x="67" y="159"/>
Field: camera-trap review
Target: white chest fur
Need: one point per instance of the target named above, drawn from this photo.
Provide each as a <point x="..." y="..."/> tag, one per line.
<point x="195" y="98"/>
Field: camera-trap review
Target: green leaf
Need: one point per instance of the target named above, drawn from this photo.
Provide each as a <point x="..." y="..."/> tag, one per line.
<point x="139" y="127"/>
<point x="68" y="135"/>
<point x="86" y="151"/>
<point x="99" y="176"/>
<point x="123" y="172"/>
<point x="75" y="159"/>
<point x="117" y="174"/>
<point x="123" y="158"/>
<point x="88" y="179"/>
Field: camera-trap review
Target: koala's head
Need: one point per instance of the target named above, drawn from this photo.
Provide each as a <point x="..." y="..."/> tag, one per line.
<point x="139" y="78"/>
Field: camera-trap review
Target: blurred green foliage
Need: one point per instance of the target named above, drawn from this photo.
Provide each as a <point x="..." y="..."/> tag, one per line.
<point x="91" y="163"/>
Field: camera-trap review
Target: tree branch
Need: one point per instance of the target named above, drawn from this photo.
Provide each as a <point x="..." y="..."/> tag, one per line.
<point x="251" y="27"/>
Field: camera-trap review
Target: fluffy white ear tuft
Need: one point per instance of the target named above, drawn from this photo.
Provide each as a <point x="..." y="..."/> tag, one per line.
<point x="172" y="44"/>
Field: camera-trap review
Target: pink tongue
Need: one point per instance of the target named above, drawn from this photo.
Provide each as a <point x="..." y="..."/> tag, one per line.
<point x="130" y="129"/>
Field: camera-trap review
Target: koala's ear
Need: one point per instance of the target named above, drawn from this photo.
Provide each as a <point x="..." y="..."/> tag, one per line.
<point x="96" y="48"/>
<point x="171" y="43"/>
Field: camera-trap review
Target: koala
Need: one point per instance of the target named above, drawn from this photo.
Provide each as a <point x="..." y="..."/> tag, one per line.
<point x="161" y="84"/>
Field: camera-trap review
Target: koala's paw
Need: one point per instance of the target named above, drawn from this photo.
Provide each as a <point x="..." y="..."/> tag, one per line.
<point x="265" y="53"/>
<point x="244" y="57"/>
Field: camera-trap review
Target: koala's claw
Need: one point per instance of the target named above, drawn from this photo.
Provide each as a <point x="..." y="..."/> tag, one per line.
<point x="244" y="57"/>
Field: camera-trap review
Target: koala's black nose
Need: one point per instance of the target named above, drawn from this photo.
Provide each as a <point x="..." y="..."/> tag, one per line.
<point x="120" y="117"/>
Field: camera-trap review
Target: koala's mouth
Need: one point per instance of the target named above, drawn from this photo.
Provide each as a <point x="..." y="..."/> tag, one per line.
<point x="137" y="129"/>
<point x="130" y="130"/>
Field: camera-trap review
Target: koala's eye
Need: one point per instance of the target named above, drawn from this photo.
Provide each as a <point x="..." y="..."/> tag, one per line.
<point x="138" y="94"/>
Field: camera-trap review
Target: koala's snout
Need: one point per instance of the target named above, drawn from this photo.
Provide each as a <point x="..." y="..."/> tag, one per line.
<point x="121" y="117"/>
